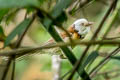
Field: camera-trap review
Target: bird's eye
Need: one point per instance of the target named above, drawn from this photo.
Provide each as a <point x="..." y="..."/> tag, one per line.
<point x="82" y="24"/>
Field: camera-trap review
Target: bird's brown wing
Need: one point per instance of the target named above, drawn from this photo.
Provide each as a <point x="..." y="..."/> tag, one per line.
<point x="51" y="40"/>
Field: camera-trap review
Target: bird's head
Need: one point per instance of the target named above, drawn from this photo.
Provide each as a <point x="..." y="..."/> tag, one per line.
<point x="80" y="28"/>
<point x="82" y="23"/>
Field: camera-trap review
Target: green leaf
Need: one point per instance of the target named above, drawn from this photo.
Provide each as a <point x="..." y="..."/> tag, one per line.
<point x="18" y="30"/>
<point x="72" y="12"/>
<point x="18" y="3"/>
<point x="1" y="30"/>
<point x="2" y="35"/>
<point x="30" y="9"/>
<point x="60" y="6"/>
<point x="119" y="13"/>
<point x="91" y="58"/>
<point x="10" y="16"/>
<point x="62" y="17"/>
<point x="115" y="57"/>
<point x="3" y="12"/>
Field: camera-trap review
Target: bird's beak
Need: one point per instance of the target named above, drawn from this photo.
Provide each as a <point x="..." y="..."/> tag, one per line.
<point x="89" y="24"/>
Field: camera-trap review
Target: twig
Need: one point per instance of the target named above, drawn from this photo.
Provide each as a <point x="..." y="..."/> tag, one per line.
<point x="23" y="34"/>
<point x="114" y="76"/>
<point x="115" y="5"/>
<point x="6" y="69"/>
<point x="25" y="15"/>
<point x="59" y="44"/>
<point x="14" y="64"/>
<point x="108" y="72"/>
<point x="111" y="38"/>
<point x="82" y="4"/>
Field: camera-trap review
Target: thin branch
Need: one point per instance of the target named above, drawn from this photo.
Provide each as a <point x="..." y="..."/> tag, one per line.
<point x="49" y="4"/>
<point x="104" y="19"/>
<point x="13" y="69"/>
<point x="114" y="76"/>
<point x="59" y="44"/>
<point x="23" y="34"/>
<point x="115" y="5"/>
<point x="6" y="69"/>
<point x="111" y="38"/>
<point x="82" y="4"/>
<point x="108" y="72"/>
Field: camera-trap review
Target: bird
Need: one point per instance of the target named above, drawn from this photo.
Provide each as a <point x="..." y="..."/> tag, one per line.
<point x="77" y="31"/>
<point x="80" y="28"/>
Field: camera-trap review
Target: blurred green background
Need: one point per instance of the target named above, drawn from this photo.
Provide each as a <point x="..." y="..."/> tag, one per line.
<point x="38" y="66"/>
<point x="93" y="12"/>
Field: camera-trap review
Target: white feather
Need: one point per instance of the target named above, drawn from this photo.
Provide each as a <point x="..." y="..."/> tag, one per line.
<point x="82" y="30"/>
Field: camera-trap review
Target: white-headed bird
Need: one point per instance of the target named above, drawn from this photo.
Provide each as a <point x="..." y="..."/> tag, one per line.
<point x="78" y="30"/>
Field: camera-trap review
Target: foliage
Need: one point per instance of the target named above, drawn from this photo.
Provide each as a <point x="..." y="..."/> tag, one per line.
<point x="17" y="31"/>
<point x="86" y="61"/>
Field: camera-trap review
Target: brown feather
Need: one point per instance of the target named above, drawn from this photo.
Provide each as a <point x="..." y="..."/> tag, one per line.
<point x="71" y="29"/>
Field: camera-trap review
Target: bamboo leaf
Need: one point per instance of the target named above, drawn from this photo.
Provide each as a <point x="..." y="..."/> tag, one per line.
<point x="62" y="17"/>
<point x="91" y="58"/>
<point x="115" y="57"/>
<point x="2" y="35"/>
<point x="60" y="6"/>
<point x="18" y="30"/>
<point x="3" y="12"/>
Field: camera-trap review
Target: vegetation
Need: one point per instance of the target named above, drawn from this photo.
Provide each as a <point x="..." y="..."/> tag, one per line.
<point x="25" y="25"/>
